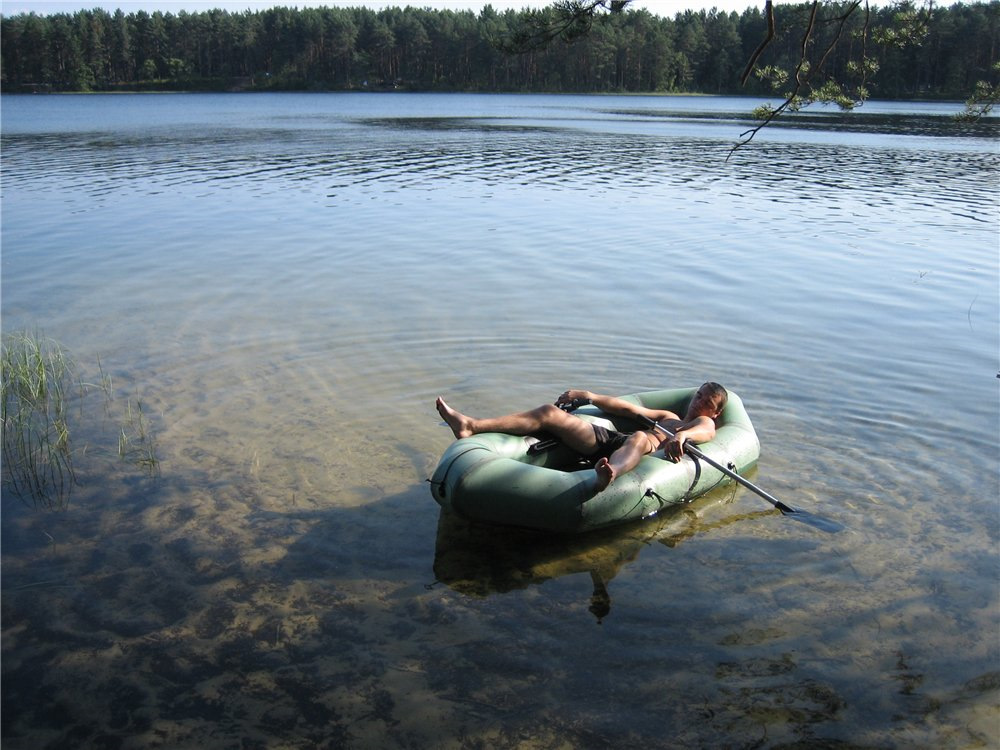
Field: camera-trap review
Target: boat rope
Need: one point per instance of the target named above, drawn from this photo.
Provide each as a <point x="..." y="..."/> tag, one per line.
<point x="733" y="468"/>
<point x="687" y="496"/>
<point x="650" y="492"/>
<point x="697" y="475"/>
<point x="718" y="482"/>
<point x="440" y="484"/>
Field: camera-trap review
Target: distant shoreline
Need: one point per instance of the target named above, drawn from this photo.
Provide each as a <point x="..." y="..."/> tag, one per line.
<point x="632" y="94"/>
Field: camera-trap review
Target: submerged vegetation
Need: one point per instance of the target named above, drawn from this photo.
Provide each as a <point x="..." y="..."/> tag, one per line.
<point x="43" y="411"/>
<point x="136" y="443"/>
<point x="37" y="459"/>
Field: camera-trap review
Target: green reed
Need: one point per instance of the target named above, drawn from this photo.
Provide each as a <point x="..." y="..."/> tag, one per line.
<point x="37" y="461"/>
<point x="39" y="385"/>
<point x="136" y="443"/>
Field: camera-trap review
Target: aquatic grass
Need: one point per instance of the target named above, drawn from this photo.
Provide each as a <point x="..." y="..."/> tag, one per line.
<point x="39" y="384"/>
<point x="136" y="443"/>
<point x="37" y="460"/>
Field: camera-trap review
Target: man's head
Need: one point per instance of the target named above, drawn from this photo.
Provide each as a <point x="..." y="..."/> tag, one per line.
<point x="709" y="401"/>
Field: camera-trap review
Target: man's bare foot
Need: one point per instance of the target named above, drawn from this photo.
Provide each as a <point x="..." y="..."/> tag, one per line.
<point x="605" y="474"/>
<point x="458" y="422"/>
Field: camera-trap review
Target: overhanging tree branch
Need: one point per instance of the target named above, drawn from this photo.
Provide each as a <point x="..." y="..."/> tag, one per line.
<point x="565" y="19"/>
<point x="752" y="63"/>
<point x="805" y="73"/>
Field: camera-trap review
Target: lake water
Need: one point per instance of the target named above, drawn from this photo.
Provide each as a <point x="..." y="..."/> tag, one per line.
<point x="286" y="282"/>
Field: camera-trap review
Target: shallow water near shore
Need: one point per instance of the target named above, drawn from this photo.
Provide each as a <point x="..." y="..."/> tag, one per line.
<point x="288" y="281"/>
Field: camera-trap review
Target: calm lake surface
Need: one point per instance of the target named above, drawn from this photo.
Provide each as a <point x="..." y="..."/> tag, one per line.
<point x="284" y="283"/>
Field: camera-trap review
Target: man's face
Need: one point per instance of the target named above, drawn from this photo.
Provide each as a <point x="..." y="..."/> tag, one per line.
<point x="704" y="403"/>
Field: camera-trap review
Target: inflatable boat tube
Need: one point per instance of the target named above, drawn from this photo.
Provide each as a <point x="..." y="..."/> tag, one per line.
<point x="537" y="483"/>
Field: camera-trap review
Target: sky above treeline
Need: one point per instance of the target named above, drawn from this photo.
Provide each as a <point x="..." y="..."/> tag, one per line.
<point x="49" y="7"/>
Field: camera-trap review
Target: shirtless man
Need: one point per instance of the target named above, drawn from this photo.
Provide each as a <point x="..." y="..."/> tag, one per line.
<point x="615" y="453"/>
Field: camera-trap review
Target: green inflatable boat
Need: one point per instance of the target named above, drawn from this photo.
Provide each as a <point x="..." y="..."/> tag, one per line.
<point x="538" y="483"/>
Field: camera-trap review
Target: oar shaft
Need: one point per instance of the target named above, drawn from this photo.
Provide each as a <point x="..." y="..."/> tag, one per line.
<point x="745" y="482"/>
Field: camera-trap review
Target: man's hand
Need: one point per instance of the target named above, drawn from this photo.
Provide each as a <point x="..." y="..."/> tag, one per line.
<point x="569" y="396"/>
<point x="673" y="448"/>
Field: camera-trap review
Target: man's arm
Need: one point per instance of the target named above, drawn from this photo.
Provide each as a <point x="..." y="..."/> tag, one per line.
<point x="615" y="406"/>
<point x="697" y="430"/>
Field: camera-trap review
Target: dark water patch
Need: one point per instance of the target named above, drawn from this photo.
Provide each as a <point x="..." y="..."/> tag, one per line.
<point x="462" y="124"/>
<point x="854" y="121"/>
<point x="214" y="620"/>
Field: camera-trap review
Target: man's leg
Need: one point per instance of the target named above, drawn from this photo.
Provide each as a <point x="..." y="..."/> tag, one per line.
<point x="573" y="431"/>
<point x="624" y="459"/>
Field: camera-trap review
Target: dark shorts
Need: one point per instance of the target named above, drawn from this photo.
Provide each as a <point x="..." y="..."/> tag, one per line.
<point x="608" y="441"/>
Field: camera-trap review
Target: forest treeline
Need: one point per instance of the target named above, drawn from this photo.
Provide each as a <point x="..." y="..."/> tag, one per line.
<point x="424" y="49"/>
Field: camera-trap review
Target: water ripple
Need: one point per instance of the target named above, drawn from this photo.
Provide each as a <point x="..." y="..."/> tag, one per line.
<point x="411" y="155"/>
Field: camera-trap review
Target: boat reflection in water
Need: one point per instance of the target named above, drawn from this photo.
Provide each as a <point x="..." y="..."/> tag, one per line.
<point x="481" y="560"/>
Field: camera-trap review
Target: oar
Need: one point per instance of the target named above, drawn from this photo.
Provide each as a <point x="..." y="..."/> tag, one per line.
<point x="824" y="524"/>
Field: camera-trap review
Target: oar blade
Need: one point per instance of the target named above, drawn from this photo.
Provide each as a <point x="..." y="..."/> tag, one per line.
<point x="817" y="522"/>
